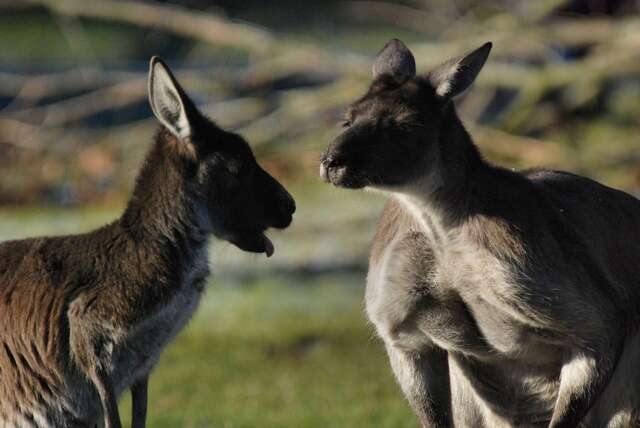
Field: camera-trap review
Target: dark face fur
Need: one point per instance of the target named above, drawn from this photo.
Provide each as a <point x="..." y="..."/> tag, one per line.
<point x="391" y="135"/>
<point x="386" y="136"/>
<point x="242" y="199"/>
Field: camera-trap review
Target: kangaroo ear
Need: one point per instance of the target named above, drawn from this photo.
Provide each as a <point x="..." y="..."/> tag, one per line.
<point x="456" y="75"/>
<point x="169" y="103"/>
<point x="396" y="61"/>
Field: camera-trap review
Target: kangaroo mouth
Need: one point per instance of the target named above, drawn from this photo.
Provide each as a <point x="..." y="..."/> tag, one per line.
<point x="268" y="246"/>
<point x="342" y="176"/>
<point x="255" y="242"/>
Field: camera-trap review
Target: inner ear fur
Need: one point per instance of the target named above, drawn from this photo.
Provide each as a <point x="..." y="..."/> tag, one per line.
<point x="168" y="101"/>
<point x="456" y="75"/>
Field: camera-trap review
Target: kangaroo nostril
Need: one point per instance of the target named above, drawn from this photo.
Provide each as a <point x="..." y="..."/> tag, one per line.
<point x="331" y="162"/>
<point x="326" y="160"/>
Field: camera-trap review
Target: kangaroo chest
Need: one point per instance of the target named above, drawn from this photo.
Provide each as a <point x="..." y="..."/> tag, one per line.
<point x="137" y="355"/>
<point x="464" y="301"/>
<point x="460" y="298"/>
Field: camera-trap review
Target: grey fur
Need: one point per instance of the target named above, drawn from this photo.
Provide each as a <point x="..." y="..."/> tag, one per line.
<point x="455" y="76"/>
<point x="504" y="299"/>
<point x="395" y="61"/>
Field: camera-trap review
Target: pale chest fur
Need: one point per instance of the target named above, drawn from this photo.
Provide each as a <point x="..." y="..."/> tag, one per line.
<point x="432" y="286"/>
<point x="488" y="289"/>
<point x="429" y="288"/>
<point x="135" y="356"/>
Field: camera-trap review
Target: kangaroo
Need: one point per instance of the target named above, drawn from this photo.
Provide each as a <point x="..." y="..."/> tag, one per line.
<point x="503" y="298"/>
<point x="85" y="317"/>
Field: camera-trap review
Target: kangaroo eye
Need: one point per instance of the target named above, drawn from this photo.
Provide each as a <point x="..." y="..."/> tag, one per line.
<point x="345" y="123"/>
<point x="387" y="122"/>
<point x="234" y="167"/>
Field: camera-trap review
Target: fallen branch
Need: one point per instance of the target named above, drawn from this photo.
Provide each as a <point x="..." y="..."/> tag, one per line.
<point x="198" y="25"/>
<point x="83" y="106"/>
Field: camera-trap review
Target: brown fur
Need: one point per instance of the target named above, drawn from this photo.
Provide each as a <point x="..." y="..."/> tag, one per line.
<point x="85" y="317"/>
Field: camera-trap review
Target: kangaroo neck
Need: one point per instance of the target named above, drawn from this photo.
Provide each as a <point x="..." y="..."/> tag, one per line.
<point x="443" y="197"/>
<point x="165" y="209"/>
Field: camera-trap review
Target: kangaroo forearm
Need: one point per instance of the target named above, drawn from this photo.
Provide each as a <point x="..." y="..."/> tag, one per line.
<point x="582" y="380"/>
<point x="139" y="403"/>
<point x="424" y="379"/>
<point x="435" y="409"/>
<point x="436" y="414"/>
<point x="108" y="399"/>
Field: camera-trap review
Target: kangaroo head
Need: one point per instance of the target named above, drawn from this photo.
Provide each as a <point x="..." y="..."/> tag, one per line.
<point x="242" y="200"/>
<point x="391" y="136"/>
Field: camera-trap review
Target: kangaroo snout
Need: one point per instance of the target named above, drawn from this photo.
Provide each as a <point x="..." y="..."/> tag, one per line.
<point x="330" y="160"/>
<point x="339" y="169"/>
<point x="285" y="210"/>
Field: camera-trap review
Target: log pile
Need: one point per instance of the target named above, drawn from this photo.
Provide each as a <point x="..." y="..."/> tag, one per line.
<point x="553" y="86"/>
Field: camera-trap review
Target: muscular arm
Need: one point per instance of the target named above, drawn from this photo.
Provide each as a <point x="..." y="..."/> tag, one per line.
<point x="397" y="292"/>
<point x="582" y="379"/>
<point x="590" y="326"/>
<point x="424" y="379"/>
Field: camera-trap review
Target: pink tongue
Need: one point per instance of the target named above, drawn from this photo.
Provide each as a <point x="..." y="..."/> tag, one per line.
<point x="268" y="246"/>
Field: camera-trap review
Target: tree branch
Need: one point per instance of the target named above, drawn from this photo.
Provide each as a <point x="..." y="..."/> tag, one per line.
<point x="198" y="25"/>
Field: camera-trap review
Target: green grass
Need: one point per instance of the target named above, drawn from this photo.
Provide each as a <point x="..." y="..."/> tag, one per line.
<point x="283" y="350"/>
<point x="277" y="353"/>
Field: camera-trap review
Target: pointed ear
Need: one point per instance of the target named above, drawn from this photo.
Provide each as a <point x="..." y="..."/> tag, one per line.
<point x="168" y="101"/>
<point x="455" y="76"/>
<point x="396" y="61"/>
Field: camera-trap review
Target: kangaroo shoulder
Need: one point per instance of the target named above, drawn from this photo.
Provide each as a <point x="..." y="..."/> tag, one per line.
<point x="393" y="223"/>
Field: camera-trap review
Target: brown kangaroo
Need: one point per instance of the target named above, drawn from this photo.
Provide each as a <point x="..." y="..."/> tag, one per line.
<point x="503" y="298"/>
<point x="85" y="317"/>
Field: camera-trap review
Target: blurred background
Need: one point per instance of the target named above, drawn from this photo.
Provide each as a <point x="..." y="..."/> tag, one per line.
<point x="285" y="343"/>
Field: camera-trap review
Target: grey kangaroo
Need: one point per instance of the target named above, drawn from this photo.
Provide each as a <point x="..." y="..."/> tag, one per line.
<point x="503" y="298"/>
<point x="85" y="317"/>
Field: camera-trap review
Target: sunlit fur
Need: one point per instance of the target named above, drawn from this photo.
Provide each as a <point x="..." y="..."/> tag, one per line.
<point x="503" y="298"/>
<point x="85" y="317"/>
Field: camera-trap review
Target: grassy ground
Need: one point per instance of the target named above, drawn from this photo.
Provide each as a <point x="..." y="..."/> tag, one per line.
<point x="282" y="342"/>
<point x="277" y="353"/>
